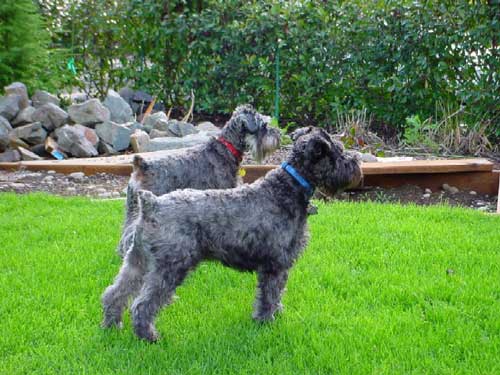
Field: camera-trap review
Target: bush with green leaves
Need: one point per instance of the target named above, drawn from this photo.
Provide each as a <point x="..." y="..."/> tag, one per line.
<point x="394" y="59"/>
<point x="23" y="43"/>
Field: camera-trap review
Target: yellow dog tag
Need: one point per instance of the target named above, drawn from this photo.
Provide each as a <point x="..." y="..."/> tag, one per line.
<point x="242" y="172"/>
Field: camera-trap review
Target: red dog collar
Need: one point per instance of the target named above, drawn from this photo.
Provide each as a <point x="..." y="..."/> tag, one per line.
<point x="237" y="154"/>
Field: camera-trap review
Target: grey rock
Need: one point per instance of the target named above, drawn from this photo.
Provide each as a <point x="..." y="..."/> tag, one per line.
<point x="88" y="133"/>
<point x="18" y="88"/>
<point x="134" y="125"/>
<point x="139" y="141"/>
<point x="172" y="143"/>
<point x="89" y="113"/>
<point x="51" y="116"/>
<point x="10" y="156"/>
<point x="73" y="141"/>
<point x="158" y="120"/>
<point x="483" y="208"/>
<point x="104" y="195"/>
<point x="368" y="158"/>
<point x="48" y="178"/>
<point x="100" y="190"/>
<point x="9" y="106"/>
<point x="154" y="133"/>
<point x="51" y="172"/>
<point x="106" y="149"/>
<point x="32" y="134"/>
<point x="450" y="189"/>
<point x="27" y="154"/>
<point x="25" y="116"/>
<point x="426" y="196"/>
<point x="43" y="97"/>
<point x="77" y="176"/>
<point x="117" y="136"/>
<point x="428" y="191"/>
<point x="78" y="97"/>
<point x="5" y="129"/>
<point x="120" y="111"/>
<point x="180" y="128"/>
<point x="207" y="126"/>
<point x="472" y="192"/>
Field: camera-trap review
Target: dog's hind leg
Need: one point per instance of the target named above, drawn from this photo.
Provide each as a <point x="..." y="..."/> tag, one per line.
<point x="157" y="291"/>
<point x="126" y="285"/>
<point x="269" y="291"/>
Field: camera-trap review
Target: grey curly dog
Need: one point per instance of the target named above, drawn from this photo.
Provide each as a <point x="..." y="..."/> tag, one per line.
<point x="213" y="165"/>
<point x="259" y="227"/>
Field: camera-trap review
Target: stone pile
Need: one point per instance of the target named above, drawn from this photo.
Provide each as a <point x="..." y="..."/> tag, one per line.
<point x="41" y="127"/>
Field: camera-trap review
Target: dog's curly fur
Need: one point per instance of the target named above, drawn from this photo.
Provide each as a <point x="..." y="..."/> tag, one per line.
<point x="259" y="227"/>
<point x="209" y="166"/>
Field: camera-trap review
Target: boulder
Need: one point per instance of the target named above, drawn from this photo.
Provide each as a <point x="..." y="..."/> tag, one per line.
<point x="158" y="134"/>
<point x="5" y="129"/>
<point x="88" y="113"/>
<point x="27" y="154"/>
<point x="9" y="106"/>
<point x="139" y="141"/>
<point x="119" y="109"/>
<point x="72" y="140"/>
<point x="78" y="97"/>
<point x="25" y="116"/>
<point x="43" y="97"/>
<point x="116" y="135"/>
<point x="18" y="88"/>
<point x="172" y="143"/>
<point x="51" y="116"/>
<point x="134" y="125"/>
<point x="106" y="149"/>
<point x="180" y="128"/>
<point x="32" y="134"/>
<point x="89" y="134"/>
<point x="207" y="126"/>
<point x="10" y="156"/>
<point x="158" y="120"/>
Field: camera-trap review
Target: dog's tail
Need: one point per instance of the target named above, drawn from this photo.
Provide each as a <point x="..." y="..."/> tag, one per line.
<point x="147" y="203"/>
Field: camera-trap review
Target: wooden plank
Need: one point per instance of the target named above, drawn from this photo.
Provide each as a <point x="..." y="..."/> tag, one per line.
<point x="428" y="166"/>
<point x="472" y="174"/>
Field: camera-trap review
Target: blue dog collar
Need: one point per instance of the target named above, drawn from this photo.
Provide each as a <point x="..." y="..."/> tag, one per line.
<point x="301" y="180"/>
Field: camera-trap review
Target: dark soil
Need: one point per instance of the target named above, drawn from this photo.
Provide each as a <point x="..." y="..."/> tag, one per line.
<point x="107" y="186"/>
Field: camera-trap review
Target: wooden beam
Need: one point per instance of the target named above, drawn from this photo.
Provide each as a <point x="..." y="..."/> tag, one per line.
<point x="466" y="174"/>
<point x="428" y="166"/>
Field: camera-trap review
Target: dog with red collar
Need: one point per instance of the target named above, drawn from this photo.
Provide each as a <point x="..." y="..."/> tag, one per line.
<point x="213" y="165"/>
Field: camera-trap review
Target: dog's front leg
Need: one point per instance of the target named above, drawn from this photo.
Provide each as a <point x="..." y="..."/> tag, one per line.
<point x="269" y="291"/>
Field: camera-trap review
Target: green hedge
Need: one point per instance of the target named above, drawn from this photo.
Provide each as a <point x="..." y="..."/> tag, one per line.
<point x="394" y="58"/>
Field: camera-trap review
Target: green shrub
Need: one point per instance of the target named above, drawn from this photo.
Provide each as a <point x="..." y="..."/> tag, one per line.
<point x="23" y="43"/>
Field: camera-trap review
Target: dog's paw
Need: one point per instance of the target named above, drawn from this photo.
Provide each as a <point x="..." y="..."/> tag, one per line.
<point x="147" y="333"/>
<point x="263" y="318"/>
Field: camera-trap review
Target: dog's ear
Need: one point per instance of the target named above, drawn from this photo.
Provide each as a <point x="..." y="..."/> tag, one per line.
<point x="300" y="132"/>
<point x="317" y="148"/>
<point x="147" y="201"/>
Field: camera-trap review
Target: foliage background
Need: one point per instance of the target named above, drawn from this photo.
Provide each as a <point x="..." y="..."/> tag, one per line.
<point x="395" y="59"/>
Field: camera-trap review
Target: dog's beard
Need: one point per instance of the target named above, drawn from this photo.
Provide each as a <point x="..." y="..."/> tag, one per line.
<point x="261" y="146"/>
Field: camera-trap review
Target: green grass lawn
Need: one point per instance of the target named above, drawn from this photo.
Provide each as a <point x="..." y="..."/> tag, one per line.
<point x="381" y="289"/>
